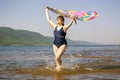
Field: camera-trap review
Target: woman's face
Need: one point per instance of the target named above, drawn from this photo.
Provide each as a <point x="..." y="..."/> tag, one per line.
<point x="59" y="21"/>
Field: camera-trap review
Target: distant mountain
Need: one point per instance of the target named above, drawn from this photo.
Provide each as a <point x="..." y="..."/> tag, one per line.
<point x="12" y="37"/>
<point x="83" y="43"/>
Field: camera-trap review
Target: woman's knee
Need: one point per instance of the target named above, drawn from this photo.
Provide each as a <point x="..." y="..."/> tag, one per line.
<point x="57" y="58"/>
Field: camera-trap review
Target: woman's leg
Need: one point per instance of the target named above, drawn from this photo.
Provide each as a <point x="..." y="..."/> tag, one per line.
<point x="55" y="50"/>
<point x="58" y="53"/>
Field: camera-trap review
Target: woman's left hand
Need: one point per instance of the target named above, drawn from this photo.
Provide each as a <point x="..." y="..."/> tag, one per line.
<point x="74" y="19"/>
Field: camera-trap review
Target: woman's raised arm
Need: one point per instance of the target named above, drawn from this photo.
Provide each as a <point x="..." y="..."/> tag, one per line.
<point x="53" y="25"/>
<point x="66" y="27"/>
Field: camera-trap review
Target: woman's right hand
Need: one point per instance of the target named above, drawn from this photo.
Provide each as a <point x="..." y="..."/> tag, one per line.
<point x="47" y="8"/>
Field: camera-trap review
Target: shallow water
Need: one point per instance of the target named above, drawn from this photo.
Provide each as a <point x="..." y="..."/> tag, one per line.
<point x="79" y="63"/>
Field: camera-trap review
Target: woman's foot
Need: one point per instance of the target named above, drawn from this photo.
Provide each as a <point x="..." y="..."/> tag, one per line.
<point x="59" y="68"/>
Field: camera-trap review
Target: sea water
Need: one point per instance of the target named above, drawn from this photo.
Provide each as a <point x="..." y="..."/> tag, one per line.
<point x="101" y="62"/>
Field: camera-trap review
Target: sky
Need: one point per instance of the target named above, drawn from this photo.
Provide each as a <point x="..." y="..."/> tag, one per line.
<point x="30" y="15"/>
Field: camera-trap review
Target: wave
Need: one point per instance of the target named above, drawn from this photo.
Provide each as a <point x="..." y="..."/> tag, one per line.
<point x="78" y="64"/>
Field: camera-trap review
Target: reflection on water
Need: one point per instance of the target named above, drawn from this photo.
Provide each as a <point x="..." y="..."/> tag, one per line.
<point x="79" y="63"/>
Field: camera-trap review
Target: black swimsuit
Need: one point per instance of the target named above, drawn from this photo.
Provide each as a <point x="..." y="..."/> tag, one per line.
<point x="59" y="37"/>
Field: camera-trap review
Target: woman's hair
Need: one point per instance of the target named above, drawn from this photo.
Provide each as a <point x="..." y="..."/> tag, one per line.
<point x="62" y="18"/>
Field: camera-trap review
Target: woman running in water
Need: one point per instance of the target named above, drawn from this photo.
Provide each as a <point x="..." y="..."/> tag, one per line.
<point x="60" y="43"/>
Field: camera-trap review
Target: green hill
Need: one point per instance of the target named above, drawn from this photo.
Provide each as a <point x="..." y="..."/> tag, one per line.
<point x="11" y="37"/>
